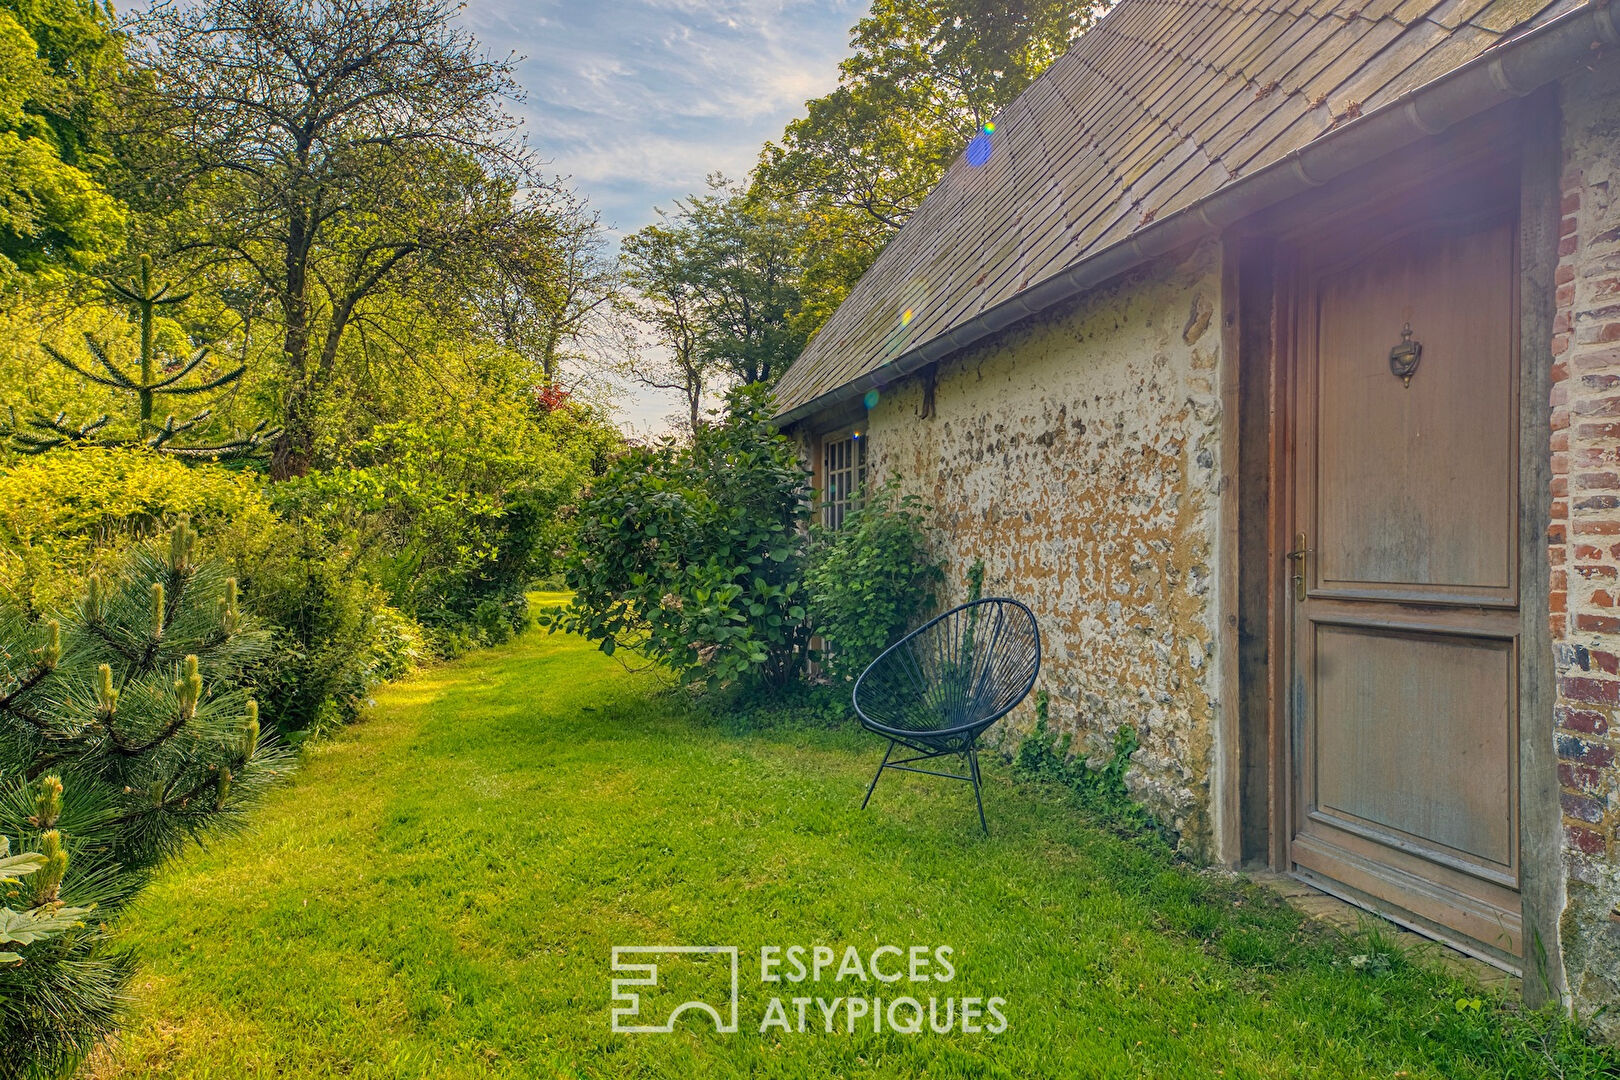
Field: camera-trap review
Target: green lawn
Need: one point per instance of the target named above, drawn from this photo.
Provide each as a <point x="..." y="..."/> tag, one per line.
<point x="439" y="891"/>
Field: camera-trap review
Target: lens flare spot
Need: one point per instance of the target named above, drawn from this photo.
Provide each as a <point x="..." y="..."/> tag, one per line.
<point x="871" y="399"/>
<point x="909" y="304"/>
<point x="989" y="127"/>
<point x="978" y="151"/>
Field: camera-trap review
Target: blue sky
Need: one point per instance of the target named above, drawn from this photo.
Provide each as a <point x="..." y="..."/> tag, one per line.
<point x="638" y="100"/>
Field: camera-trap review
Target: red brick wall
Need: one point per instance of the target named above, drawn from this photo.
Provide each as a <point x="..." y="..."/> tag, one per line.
<point x="1584" y="539"/>
<point x="1585" y="535"/>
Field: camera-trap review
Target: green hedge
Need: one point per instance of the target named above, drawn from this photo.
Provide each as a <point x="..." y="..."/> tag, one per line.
<point x="65" y="515"/>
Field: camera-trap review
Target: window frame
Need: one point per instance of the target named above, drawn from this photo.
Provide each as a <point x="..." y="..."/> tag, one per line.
<point x="841" y="485"/>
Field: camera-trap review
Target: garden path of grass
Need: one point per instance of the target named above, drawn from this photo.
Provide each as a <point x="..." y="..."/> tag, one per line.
<point x="438" y="892"/>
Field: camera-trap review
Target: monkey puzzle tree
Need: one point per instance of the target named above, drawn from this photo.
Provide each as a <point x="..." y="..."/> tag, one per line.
<point x="125" y="731"/>
<point x="151" y="380"/>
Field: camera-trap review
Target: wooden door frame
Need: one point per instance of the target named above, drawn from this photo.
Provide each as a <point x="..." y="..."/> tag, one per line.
<point x="1255" y="743"/>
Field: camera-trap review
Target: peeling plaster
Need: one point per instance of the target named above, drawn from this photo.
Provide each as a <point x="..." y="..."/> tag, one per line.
<point x="1078" y="458"/>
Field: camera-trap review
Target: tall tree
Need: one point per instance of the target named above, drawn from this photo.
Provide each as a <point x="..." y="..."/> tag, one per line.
<point x="157" y="376"/>
<point x="56" y="61"/>
<point x="923" y="78"/>
<point x="554" y="293"/>
<point x="719" y="282"/>
<point x="747" y="276"/>
<point x="334" y="148"/>
<point x="668" y="306"/>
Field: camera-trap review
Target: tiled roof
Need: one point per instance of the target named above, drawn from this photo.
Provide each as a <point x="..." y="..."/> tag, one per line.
<point x="1155" y="109"/>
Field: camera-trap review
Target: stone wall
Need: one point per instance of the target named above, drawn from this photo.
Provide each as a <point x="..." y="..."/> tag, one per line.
<point x="1078" y="458"/>
<point x="1585" y="540"/>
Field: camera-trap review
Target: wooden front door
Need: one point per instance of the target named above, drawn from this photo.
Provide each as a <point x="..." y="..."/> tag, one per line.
<point x="1404" y="583"/>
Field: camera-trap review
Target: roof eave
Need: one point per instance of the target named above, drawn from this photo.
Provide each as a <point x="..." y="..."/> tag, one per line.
<point x="1512" y="69"/>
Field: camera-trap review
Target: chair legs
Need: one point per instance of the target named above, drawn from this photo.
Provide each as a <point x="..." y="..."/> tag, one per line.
<point x="873" y="785"/>
<point x="973" y="760"/>
<point x="970" y="757"/>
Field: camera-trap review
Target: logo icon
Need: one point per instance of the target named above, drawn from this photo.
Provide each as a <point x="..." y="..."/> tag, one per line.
<point x="700" y="967"/>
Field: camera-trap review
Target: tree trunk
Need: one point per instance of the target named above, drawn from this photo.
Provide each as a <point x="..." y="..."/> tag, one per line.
<point x="295" y="446"/>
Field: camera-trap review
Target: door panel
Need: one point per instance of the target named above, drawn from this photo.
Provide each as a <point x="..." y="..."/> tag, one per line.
<point x="1405" y="644"/>
<point x="1414" y="735"/>
<point x="1418" y="487"/>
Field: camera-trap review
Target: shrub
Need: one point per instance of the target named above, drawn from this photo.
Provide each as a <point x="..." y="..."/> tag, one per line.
<point x="691" y="555"/>
<point x="61" y="982"/>
<point x="867" y="582"/>
<point x="334" y="638"/>
<point x="133" y="708"/>
<point x="455" y="515"/>
<point x="70" y="513"/>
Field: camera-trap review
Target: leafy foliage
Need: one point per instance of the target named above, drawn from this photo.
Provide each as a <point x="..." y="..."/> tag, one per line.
<point x="455" y="511"/>
<point x="1099" y="783"/>
<point x="58" y="57"/>
<point x="719" y="285"/>
<point x="334" y="637"/>
<point x="64" y="516"/>
<point x="868" y="580"/>
<point x="135" y="705"/>
<point x="923" y="78"/>
<point x="333" y="153"/>
<point x="691" y="555"/>
<point x="554" y="294"/>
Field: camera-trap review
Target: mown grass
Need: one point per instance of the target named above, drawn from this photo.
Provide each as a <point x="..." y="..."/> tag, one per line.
<point x="438" y="892"/>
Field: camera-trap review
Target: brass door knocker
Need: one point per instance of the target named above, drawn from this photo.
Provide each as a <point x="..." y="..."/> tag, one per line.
<point x="1403" y="358"/>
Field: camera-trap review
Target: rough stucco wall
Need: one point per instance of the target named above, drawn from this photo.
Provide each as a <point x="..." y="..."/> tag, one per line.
<point x="1585" y="541"/>
<point x="1079" y="459"/>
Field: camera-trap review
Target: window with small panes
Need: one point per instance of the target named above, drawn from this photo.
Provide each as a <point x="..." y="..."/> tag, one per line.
<point x="843" y="468"/>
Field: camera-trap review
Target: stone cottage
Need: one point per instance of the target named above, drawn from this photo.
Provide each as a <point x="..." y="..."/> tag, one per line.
<point x="1271" y="352"/>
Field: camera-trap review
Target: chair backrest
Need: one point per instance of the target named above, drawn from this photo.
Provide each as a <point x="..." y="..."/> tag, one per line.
<point x="956" y="674"/>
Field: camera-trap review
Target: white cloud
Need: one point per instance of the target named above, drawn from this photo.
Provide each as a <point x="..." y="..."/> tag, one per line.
<point x="638" y="100"/>
<point x="661" y="92"/>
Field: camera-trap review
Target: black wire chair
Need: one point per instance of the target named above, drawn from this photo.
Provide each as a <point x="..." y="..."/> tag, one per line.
<point x="937" y="689"/>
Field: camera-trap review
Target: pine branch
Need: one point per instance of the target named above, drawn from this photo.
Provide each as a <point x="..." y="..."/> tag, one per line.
<point x="185" y="369"/>
<point x="58" y="425"/>
<point x="20" y="688"/>
<point x="128" y="296"/>
<point x="212" y="384"/>
<point x="256" y="441"/>
<point x="118" y="380"/>
<point x="50" y="654"/>
<point x="172" y="427"/>
<point x="129" y="749"/>
<point x="61" y="433"/>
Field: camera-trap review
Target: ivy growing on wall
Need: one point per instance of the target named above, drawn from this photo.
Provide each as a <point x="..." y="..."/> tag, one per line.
<point x="1101" y="786"/>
